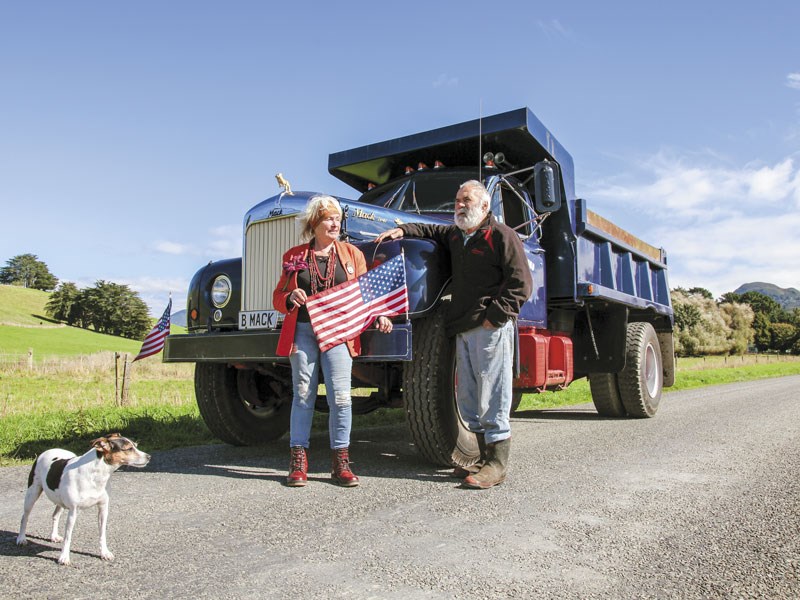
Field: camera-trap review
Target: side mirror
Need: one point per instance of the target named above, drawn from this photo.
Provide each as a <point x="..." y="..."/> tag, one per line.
<point x="547" y="186"/>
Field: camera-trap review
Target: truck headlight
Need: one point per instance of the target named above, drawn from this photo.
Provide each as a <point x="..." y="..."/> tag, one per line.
<point x="221" y="291"/>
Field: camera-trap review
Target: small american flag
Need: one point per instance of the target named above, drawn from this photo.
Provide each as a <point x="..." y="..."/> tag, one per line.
<point x="344" y="311"/>
<point x="154" y="342"/>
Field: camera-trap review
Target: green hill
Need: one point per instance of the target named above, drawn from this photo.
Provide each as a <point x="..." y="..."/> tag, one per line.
<point x="23" y="326"/>
<point x="23" y="306"/>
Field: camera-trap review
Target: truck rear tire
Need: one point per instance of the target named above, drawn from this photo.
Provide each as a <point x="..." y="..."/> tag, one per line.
<point x="605" y="395"/>
<point x="642" y="379"/>
<point x="241" y="407"/>
<point x="429" y="386"/>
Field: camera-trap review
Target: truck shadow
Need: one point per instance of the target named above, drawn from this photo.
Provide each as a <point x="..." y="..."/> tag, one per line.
<point x="560" y="414"/>
<point x="385" y="452"/>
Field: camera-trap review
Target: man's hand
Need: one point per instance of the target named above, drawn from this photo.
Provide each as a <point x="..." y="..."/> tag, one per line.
<point x="391" y="234"/>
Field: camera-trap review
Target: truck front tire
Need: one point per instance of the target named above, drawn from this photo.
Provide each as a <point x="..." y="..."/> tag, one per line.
<point x="437" y="430"/>
<point x="242" y="407"/>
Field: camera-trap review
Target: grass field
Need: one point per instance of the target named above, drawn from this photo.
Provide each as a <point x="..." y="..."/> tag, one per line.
<point x="69" y="394"/>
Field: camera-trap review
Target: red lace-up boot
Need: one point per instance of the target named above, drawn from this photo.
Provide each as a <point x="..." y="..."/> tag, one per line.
<point x="298" y="467"/>
<point x="341" y="473"/>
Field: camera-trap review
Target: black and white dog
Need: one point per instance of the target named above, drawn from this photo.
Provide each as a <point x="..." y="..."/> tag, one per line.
<point x="75" y="482"/>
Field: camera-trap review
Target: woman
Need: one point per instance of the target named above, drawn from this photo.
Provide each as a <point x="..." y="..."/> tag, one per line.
<point x="319" y="263"/>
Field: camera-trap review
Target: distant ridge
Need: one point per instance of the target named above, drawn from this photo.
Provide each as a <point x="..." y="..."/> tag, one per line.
<point x="788" y="298"/>
<point x="178" y="318"/>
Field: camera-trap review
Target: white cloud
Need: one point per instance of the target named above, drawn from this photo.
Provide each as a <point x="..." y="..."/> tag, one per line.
<point x="554" y="28"/>
<point x="224" y="241"/>
<point x="688" y="190"/>
<point x="445" y="80"/>
<point x="793" y="81"/>
<point x="722" y="226"/>
<point x="171" y="248"/>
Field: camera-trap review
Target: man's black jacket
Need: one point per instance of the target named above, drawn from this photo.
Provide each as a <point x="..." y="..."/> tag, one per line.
<point x="491" y="277"/>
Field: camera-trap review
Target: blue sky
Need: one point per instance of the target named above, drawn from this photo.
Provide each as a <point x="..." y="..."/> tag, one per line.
<point x="134" y="136"/>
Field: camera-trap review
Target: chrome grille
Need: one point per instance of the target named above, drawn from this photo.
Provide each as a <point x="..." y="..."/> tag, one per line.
<point x="265" y="243"/>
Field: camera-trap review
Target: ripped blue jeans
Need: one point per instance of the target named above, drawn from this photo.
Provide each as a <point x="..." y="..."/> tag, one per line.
<point x="337" y="367"/>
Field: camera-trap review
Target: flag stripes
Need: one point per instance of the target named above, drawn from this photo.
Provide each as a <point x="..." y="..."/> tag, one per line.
<point x="344" y="311"/>
<point x="154" y="342"/>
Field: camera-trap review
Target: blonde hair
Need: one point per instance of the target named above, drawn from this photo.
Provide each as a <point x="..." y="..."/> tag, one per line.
<point x="318" y="208"/>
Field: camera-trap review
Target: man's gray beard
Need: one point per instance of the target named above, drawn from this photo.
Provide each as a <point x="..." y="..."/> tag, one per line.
<point x="472" y="218"/>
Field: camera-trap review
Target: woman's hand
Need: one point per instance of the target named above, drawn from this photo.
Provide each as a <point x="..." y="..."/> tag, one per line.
<point x="298" y="297"/>
<point x="383" y="324"/>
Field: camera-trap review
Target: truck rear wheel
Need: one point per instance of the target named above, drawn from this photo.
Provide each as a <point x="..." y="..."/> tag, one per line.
<point x="605" y="395"/>
<point x="429" y="386"/>
<point x="241" y="407"/>
<point x="642" y="379"/>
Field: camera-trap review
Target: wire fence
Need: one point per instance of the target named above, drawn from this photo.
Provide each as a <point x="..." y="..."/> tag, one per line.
<point x="115" y="368"/>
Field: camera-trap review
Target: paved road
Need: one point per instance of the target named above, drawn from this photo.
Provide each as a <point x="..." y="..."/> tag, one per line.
<point x="701" y="502"/>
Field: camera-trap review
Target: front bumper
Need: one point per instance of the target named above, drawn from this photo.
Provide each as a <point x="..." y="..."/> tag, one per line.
<point x="261" y="346"/>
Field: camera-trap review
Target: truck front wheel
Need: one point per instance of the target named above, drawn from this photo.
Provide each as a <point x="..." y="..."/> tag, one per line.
<point x="642" y="379"/>
<point x="429" y="385"/>
<point x="242" y="407"/>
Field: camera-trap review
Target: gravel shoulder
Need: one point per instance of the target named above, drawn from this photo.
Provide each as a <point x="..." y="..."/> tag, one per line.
<point x="702" y="501"/>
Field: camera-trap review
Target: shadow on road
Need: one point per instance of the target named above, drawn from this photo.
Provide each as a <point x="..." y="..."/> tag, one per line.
<point x="561" y="414"/>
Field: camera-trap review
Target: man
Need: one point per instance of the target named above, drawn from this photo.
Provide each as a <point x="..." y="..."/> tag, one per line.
<point x="491" y="281"/>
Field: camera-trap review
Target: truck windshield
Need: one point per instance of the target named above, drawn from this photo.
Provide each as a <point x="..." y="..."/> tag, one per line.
<point x="430" y="191"/>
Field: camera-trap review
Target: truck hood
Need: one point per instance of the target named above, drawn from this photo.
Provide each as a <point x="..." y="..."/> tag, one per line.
<point x="361" y="222"/>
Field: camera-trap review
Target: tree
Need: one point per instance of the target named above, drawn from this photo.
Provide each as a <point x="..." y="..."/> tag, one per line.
<point x="28" y="271"/>
<point x="763" y="304"/>
<point x="730" y="298"/>
<point x="739" y="318"/>
<point x="107" y="308"/>
<point x="114" y="309"/>
<point x="783" y="336"/>
<point x="704" y="327"/>
<point x="702" y="292"/>
<point x="61" y="303"/>
<point x="762" y="333"/>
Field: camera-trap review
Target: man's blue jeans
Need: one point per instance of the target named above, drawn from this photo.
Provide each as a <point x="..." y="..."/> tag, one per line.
<point x="484" y="372"/>
<point x="337" y="366"/>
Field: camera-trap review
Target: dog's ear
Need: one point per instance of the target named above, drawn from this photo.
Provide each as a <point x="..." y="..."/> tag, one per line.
<point x="102" y="445"/>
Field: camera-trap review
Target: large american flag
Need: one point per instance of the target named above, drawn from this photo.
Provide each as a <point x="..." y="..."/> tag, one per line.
<point x="342" y="312"/>
<point x="154" y="341"/>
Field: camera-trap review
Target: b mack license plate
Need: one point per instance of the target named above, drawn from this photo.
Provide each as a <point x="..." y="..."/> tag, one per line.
<point x="258" y="319"/>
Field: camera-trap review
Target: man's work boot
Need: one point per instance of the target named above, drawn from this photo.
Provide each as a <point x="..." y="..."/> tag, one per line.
<point x="460" y="472"/>
<point x="298" y="467"/>
<point x="494" y="469"/>
<point x="341" y="473"/>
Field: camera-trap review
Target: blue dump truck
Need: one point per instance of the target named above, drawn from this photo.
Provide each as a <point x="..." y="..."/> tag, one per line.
<point x="600" y="307"/>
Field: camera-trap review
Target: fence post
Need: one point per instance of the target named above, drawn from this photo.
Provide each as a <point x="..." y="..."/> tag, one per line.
<point x="125" y="382"/>
<point x="116" y="378"/>
<point x="30" y="359"/>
